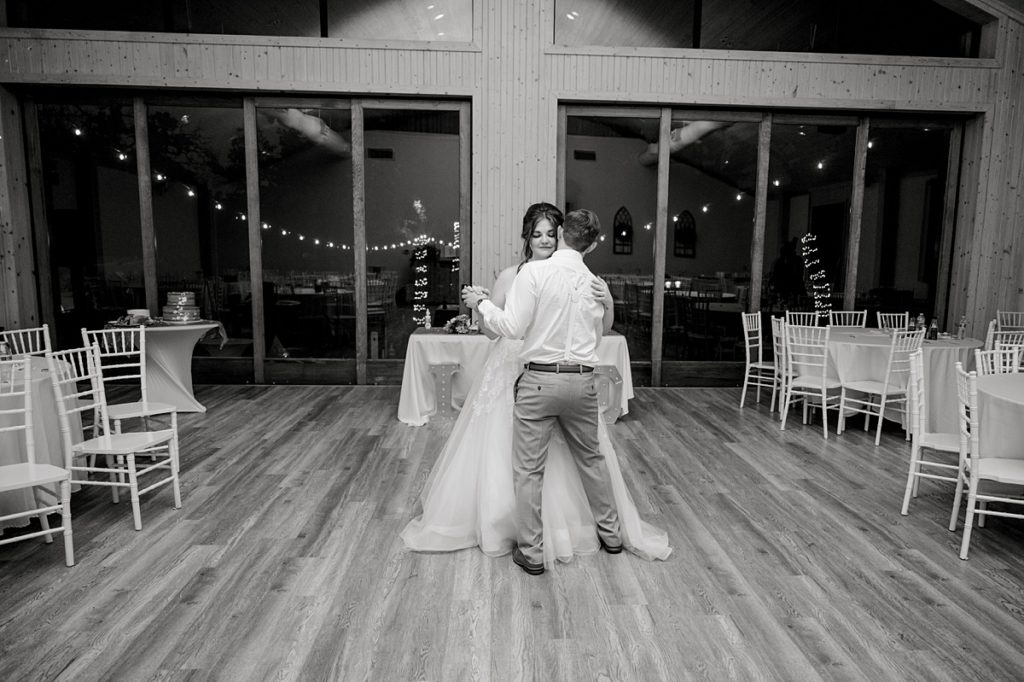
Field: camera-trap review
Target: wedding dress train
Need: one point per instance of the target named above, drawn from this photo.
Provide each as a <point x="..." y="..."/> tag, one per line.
<point x="469" y="498"/>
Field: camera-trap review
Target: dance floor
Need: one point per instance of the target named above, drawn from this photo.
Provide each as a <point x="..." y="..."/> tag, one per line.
<point x="791" y="562"/>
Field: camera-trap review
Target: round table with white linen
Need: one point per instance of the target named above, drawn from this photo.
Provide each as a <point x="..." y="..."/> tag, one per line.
<point x="857" y="354"/>
<point x="1001" y="415"/>
<point x="169" y="363"/>
<point x="417" y="402"/>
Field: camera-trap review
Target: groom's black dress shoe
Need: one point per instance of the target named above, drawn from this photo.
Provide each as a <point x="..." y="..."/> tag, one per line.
<point x="519" y="560"/>
<point x="611" y="549"/>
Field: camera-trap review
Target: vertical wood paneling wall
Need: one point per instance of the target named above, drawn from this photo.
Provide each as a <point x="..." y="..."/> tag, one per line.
<point x="515" y="79"/>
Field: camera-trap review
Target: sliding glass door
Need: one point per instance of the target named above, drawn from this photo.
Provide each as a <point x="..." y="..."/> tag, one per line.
<point x="319" y="232"/>
<point x="758" y="211"/>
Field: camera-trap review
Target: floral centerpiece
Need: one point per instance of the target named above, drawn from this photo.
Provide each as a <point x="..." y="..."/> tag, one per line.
<point x="460" y="324"/>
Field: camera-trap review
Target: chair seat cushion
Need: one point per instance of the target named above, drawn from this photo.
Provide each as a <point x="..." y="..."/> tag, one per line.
<point x="946" y="442"/>
<point x="124" y="443"/>
<point x="1003" y="470"/>
<point x="24" y="474"/>
<point x="767" y="366"/>
<point x="150" y="408"/>
<point x="806" y="382"/>
<point x="876" y="387"/>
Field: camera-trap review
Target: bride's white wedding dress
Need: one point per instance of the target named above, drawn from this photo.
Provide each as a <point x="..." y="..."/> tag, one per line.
<point x="469" y="499"/>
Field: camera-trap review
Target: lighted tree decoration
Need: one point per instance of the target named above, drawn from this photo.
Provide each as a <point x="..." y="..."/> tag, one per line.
<point x="420" y="293"/>
<point x="456" y="240"/>
<point x="818" y="282"/>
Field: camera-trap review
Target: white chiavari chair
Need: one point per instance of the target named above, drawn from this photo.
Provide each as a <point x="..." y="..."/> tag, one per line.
<point x="975" y="468"/>
<point x="922" y="440"/>
<point x="29" y="475"/>
<point x="32" y="341"/>
<point x="758" y="373"/>
<point x="78" y="389"/>
<point x="848" y="318"/>
<point x="807" y="372"/>
<point x="1009" y="321"/>
<point x="890" y="390"/>
<point x="802" y="318"/>
<point x="779" y="361"/>
<point x="1002" y="360"/>
<point x="893" y="320"/>
<point x="123" y="363"/>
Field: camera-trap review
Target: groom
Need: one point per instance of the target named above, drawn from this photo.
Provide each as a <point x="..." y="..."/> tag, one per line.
<point x="552" y="308"/>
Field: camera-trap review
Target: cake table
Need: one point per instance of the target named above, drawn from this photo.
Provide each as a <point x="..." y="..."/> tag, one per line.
<point x="169" y="363"/>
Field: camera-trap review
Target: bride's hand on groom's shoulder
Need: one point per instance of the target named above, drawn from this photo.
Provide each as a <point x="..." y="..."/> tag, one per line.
<point x="601" y="292"/>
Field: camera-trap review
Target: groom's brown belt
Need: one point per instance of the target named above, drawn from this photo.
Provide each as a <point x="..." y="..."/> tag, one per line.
<point x="559" y="368"/>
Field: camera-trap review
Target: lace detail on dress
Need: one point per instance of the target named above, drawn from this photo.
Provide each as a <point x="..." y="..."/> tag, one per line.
<point x="499" y="373"/>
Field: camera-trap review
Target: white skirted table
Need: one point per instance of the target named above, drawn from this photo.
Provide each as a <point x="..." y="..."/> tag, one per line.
<point x="45" y="434"/>
<point x="858" y="354"/>
<point x="433" y="348"/>
<point x="169" y="363"/>
<point x="1001" y="415"/>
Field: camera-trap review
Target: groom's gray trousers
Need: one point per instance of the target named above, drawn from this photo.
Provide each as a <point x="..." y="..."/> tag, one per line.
<point x="542" y="400"/>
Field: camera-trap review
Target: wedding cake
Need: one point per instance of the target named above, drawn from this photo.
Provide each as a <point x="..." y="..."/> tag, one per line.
<point x="181" y="307"/>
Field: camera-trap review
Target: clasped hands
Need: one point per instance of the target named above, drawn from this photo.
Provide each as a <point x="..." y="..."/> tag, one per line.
<point x="473" y="294"/>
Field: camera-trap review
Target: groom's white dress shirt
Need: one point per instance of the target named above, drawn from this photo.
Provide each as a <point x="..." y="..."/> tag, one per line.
<point x="552" y="308"/>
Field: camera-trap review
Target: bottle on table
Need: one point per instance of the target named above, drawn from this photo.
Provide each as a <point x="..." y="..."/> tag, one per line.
<point x="933" y="329"/>
<point x="961" y="328"/>
<point x="921" y="322"/>
<point x="426" y="320"/>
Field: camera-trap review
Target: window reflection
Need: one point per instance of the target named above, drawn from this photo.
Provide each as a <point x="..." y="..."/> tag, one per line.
<point x="197" y="164"/>
<point x="412" y="224"/>
<point x="904" y="195"/>
<point x="92" y="211"/>
<point x="449" y="21"/>
<point x="810" y="182"/>
<point x="711" y="216"/>
<point x="848" y="26"/>
<point x="608" y="169"/>
<point x="305" y="166"/>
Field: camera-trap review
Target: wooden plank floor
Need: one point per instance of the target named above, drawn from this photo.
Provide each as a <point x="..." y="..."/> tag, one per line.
<point x="791" y="562"/>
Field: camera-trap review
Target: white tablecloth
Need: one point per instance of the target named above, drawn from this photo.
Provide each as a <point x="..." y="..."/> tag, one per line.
<point x="426" y="348"/>
<point x="45" y="434"/>
<point x="169" y="364"/>
<point x="858" y="354"/>
<point x="1001" y="415"/>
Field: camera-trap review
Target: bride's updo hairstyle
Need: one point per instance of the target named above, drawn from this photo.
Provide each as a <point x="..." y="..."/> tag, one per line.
<point x="533" y="216"/>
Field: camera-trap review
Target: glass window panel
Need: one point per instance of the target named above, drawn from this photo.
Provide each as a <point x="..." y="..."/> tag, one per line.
<point x="197" y="161"/>
<point x="711" y="216"/>
<point x="608" y="169"/>
<point x="305" y="164"/>
<point x="112" y="15"/>
<point x="904" y="195"/>
<point x="247" y="17"/>
<point x="233" y="17"/>
<point x="92" y="209"/>
<point x="849" y="26"/>
<point x="412" y="223"/>
<point x="451" y="20"/>
<point x="809" y="188"/>
<point x="624" y="23"/>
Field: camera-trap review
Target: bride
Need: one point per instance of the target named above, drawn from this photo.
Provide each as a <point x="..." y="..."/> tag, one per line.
<point x="469" y="499"/>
